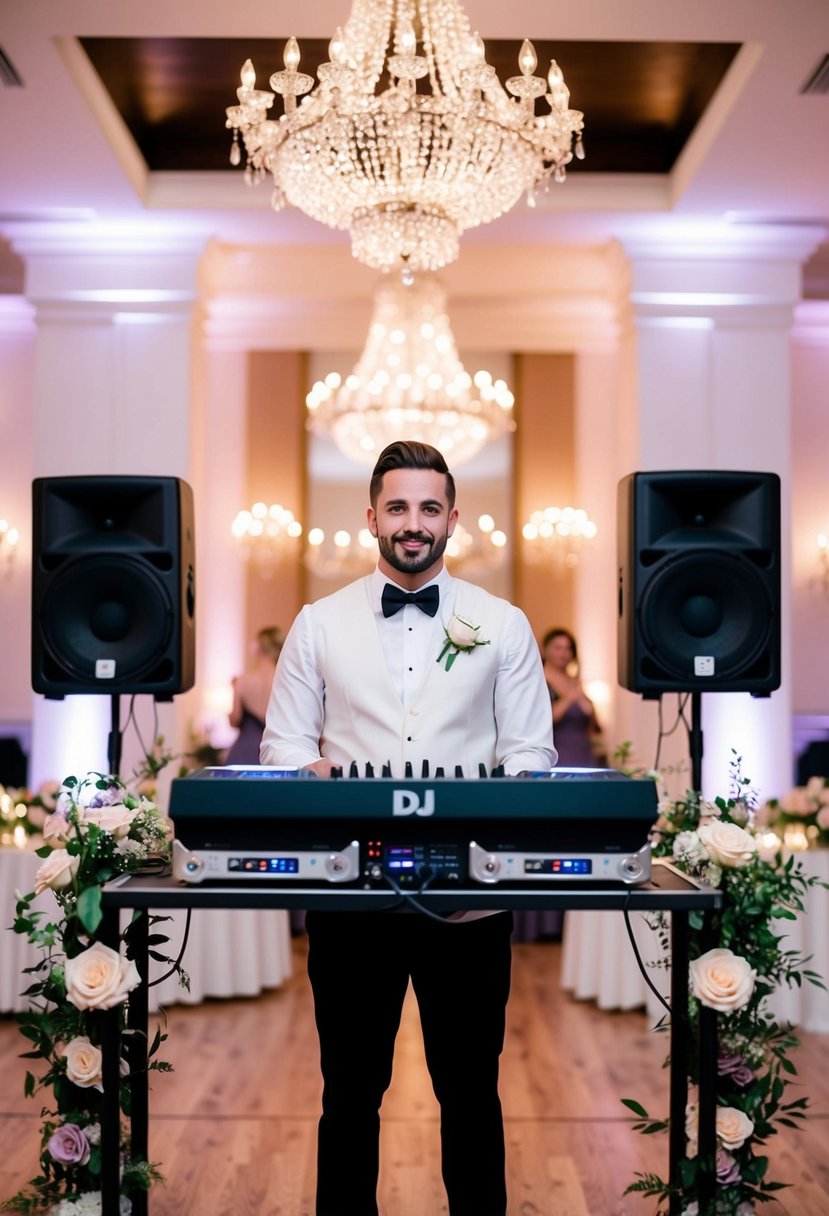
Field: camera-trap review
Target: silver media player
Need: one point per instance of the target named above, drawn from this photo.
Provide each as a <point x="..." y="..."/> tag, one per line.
<point x="298" y="865"/>
<point x="513" y="866"/>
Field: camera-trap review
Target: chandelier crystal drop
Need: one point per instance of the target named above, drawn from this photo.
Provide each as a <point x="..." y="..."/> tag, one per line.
<point x="409" y="383"/>
<point x="405" y="170"/>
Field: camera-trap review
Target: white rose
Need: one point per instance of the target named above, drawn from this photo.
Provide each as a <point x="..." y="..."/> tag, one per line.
<point x="116" y="820"/>
<point x="99" y="978"/>
<point x="83" y="1063"/>
<point x="733" y="1127"/>
<point x="56" y="872"/>
<point x="688" y="847"/>
<point x="462" y="633"/>
<point x="722" y="980"/>
<point x="728" y="844"/>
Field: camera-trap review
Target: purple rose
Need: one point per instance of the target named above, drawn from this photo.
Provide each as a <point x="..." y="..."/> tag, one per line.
<point x="68" y="1145"/>
<point x="736" y="1068"/>
<point x="728" y="1171"/>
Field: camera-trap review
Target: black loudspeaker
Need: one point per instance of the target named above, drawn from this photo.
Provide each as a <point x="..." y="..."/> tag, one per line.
<point x="699" y="582"/>
<point x="113" y="586"/>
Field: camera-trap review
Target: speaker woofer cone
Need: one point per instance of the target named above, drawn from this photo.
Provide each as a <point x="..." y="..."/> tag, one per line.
<point x="704" y="602"/>
<point x="106" y="607"/>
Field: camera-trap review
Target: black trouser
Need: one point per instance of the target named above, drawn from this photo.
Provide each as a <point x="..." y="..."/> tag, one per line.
<point x="359" y="965"/>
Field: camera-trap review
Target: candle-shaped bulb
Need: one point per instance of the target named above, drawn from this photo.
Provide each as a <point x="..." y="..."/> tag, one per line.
<point x="527" y="58"/>
<point x="290" y="56"/>
<point x="336" y="47"/>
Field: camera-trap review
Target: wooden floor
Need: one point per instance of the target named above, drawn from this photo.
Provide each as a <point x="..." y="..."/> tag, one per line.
<point x="234" y="1126"/>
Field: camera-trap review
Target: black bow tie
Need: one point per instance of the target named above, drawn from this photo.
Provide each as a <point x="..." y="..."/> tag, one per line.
<point x="394" y="599"/>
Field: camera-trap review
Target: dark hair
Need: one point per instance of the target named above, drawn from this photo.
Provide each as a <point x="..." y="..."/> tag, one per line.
<point x="561" y="633"/>
<point x="409" y="454"/>
<point x="269" y="641"/>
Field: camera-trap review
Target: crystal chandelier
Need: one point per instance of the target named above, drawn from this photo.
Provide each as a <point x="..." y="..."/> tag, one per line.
<point x="406" y="171"/>
<point x="409" y="383"/>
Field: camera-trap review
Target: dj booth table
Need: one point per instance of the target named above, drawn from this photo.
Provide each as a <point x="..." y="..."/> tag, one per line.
<point x="665" y="891"/>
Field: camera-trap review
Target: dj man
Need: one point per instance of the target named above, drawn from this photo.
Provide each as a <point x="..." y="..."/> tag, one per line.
<point x="410" y="664"/>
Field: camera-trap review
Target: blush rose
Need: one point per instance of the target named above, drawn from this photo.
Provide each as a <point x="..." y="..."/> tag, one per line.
<point x="116" y="819"/>
<point x="99" y="978"/>
<point x="56" y="872"/>
<point x="722" y="980"/>
<point x="83" y="1063"/>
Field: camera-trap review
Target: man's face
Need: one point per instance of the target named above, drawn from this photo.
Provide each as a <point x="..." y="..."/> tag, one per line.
<point x="412" y="522"/>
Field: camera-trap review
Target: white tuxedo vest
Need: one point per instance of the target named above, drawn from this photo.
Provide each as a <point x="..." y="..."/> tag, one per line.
<point x="450" y="720"/>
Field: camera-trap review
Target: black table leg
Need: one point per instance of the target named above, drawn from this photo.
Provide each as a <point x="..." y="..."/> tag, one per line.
<point x="679" y="1052"/>
<point x="110" y="1030"/>
<point x="707" y="1092"/>
<point x="137" y="1023"/>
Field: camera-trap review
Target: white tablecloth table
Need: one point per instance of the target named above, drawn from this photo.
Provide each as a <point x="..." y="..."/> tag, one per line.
<point x="598" y="961"/>
<point x="238" y="952"/>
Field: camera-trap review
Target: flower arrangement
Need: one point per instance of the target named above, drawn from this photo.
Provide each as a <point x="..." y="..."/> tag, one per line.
<point x="717" y="842"/>
<point x="800" y="818"/>
<point x="22" y="813"/>
<point x="97" y="831"/>
<point x="461" y="635"/>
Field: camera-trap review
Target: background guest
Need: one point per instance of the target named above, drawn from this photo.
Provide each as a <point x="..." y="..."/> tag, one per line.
<point x="250" y="697"/>
<point x="578" y="735"/>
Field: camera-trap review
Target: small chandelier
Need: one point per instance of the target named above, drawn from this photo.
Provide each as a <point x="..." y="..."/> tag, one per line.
<point x="265" y="534"/>
<point x="558" y="535"/>
<point x="409" y="383"/>
<point x="405" y="171"/>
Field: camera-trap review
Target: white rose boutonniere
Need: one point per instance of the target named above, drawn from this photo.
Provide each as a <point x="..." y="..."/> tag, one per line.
<point x="460" y="635"/>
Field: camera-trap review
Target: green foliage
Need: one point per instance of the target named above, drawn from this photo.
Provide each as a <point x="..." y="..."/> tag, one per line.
<point x="97" y="831"/>
<point x="755" y="1068"/>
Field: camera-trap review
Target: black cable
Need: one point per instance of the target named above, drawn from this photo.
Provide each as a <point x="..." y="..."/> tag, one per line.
<point x="638" y="957"/>
<point x="408" y="898"/>
<point x="666" y="734"/>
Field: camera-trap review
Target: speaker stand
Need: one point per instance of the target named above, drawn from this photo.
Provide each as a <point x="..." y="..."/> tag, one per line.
<point x="115" y="737"/>
<point x="695" y="741"/>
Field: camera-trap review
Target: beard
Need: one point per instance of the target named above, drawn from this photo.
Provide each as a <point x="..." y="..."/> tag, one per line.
<point x="412" y="563"/>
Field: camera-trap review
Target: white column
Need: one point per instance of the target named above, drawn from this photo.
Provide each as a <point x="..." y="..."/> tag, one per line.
<point x="17" y="352"/>
<point x="111" y="395"/>
<point x="711" y="328"/>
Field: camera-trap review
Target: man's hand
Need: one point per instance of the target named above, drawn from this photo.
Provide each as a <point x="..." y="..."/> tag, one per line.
<point x="321" y="767"/>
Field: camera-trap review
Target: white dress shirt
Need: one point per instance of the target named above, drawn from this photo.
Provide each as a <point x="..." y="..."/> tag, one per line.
<point x="410" y="641"/>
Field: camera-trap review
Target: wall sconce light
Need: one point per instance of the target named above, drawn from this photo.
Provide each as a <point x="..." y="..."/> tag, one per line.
<point x="558" y="534"/>
<point x="9" y="540"/>
<point x="823" y="561"/>
<point x="350" y="556"/>
<point x="264" y="534"/>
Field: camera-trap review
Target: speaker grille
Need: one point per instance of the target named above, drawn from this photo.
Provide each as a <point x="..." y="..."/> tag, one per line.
<point x="704" y="603"/>
<point x="106" y="608"/>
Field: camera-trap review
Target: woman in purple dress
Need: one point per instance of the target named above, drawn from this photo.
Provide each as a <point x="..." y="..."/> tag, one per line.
<point x="576" y="731"/>
<point x="251" y="692"/>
